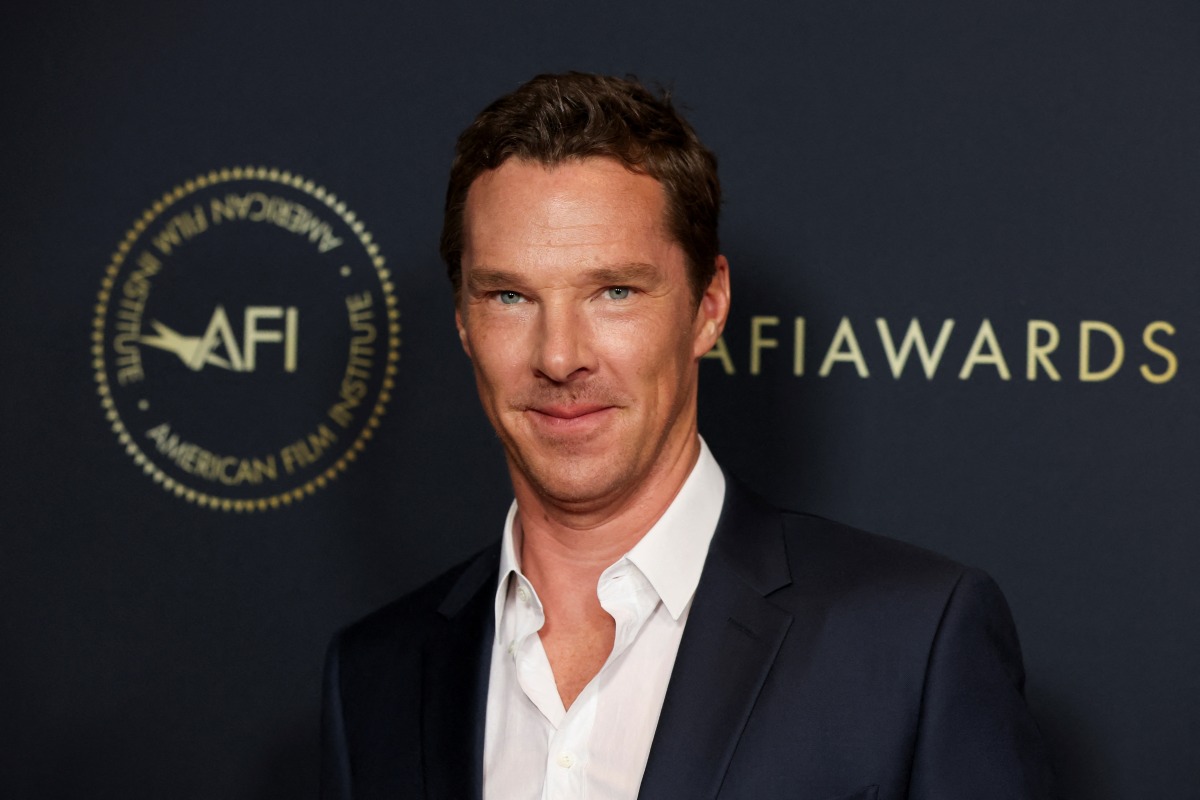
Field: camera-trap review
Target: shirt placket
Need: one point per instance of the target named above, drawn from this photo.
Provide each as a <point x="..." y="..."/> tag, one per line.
<point x="628" y="597"/>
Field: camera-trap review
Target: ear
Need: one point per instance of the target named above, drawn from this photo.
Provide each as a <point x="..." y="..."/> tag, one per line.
<point x="462" y="331"/>
<point x="713" y="310"/>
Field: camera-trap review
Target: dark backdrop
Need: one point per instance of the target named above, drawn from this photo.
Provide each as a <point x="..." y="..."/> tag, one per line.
<point x="937" y="160"/>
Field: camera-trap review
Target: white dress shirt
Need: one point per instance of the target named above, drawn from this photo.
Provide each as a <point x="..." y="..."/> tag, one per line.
<point x="534" y="749"/>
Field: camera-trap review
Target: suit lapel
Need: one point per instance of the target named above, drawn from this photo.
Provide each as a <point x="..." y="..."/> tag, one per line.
<point x="454" y="679"/>
<point x="732" y="636"/>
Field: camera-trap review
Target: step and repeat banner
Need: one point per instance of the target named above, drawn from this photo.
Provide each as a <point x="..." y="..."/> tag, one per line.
<point x="965" y="249"/>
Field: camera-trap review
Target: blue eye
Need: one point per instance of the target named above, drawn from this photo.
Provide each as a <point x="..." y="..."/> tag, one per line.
<point x="510" y="298"/>
<point x="617" y="293"/>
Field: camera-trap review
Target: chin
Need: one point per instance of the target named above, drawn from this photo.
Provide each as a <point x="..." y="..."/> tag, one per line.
<point x="575" y="479"/>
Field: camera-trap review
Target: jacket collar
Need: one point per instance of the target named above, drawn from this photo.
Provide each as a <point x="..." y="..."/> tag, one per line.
<point x="731" y="641"/>
<point x="454" y="679"/>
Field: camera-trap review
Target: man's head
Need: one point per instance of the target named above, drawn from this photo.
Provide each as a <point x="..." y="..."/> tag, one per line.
<point x="578" y="301"/>
<point x="553" y="119"/>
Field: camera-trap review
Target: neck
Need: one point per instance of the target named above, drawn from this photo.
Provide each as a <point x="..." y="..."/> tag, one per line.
<point x="568" y="547"/>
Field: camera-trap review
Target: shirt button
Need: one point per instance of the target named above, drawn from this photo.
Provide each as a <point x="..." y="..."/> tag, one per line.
<point x="521" y="593"/>
<point x="512" y="647"/>
<point x="566" y="760"/>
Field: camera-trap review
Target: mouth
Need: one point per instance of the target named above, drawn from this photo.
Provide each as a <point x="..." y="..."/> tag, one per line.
<point x="569" y="411"/>
<point x="571" y="420"/>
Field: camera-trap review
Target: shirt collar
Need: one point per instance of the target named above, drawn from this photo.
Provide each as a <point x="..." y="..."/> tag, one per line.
<point x="509" y="563"/>
<point x="671" y="554"/>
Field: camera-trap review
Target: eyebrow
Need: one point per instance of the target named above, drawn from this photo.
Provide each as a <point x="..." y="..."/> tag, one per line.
<point x="489" y="279"/>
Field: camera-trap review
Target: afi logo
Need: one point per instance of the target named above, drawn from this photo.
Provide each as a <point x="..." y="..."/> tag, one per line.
<point x="219" y="345"/>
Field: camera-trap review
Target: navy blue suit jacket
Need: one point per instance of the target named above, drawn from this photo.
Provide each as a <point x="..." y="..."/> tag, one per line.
<point x="818" y="663"/>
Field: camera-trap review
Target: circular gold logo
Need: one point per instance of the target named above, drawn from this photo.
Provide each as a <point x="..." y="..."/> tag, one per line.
<point x="246" y="339"/>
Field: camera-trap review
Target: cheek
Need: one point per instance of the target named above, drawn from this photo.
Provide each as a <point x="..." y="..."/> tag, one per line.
<point x="498" y="356"/>
<point x="659" y="357"/>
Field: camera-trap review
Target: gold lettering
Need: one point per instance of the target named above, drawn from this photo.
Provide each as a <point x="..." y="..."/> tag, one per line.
<point x="254" y="335"/>
<point x="994" y="356"/>
<point x="1036" y="353"/>
<point x="254" y="470"/>
<point x="279" y="211"/>
<point x="720" y="351"/>
<point x="852" y="354"/>
<point x="128" y="319"/>
<point x="148" y="264"/>
<point x="249" y="202"/>
<point x="291" y="327"/>
<point x="758" y="342"/>
<point x="218" y="328"/>
<point x="328" y="240"/>
<point x="1158" y="349"/>
<point x="181" y="228"/>
<point x="1086" y="373"/>
<point x="914" y="336"/>
<point x="292" y="217"/>
<point x="221" y="211"/>
<point x="159" y="433"/>
<point x="354" y="387"/>
<point x="798" y="353"/>
<point x="306" y="451"/>
<point x="195" y="460"/>
<point x="131" y="373"/>
<point x="301" y="220"/>
<point x="356" y="303"/>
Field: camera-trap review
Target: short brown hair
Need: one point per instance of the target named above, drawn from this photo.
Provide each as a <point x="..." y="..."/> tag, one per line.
<point x="555" y="118"/>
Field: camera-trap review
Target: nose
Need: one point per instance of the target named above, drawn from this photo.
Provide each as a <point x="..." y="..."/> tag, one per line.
<point x="563" y="352"/>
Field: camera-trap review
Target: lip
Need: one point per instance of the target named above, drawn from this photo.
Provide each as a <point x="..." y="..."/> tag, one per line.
<point x="575" y="419"/>
<point x="569" y="411"/>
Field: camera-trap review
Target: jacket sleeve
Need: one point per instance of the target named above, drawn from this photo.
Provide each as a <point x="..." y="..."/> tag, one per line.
<point x="335" y="758"/>
<point x="976" y="738"/>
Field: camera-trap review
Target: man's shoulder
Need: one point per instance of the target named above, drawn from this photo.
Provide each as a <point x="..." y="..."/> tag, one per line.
<point x="835" y="561"/>
<point x="875" y="593"/>
<point x="816" y="542"/>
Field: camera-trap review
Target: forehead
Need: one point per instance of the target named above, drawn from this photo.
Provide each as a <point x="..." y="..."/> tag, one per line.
<point x="592" y="204"/>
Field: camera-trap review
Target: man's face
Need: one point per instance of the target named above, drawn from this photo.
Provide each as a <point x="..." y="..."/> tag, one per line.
<point x="582" y="327"/>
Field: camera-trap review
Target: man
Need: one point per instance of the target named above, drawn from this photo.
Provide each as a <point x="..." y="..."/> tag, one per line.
<point x="647" y="627"/>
